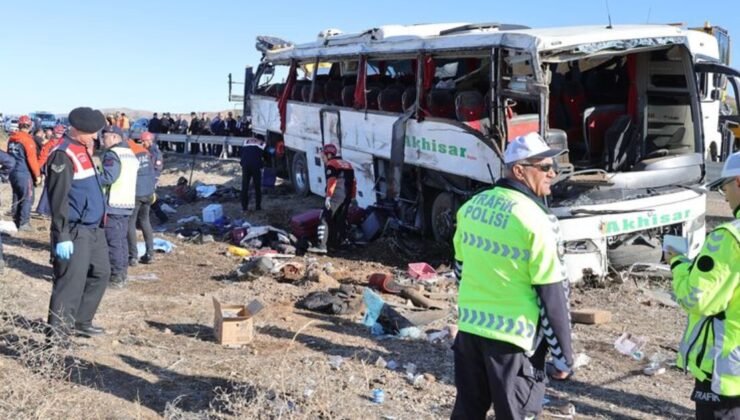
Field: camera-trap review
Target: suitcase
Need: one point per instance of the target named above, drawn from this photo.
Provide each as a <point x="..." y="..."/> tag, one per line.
<point x="305" y="225"/>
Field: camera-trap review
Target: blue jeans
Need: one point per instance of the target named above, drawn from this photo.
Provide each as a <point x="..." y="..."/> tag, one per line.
<point x="23" y="195"/>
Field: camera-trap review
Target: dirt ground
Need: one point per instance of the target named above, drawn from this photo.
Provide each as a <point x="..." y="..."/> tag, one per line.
<point x="159" y="358"/>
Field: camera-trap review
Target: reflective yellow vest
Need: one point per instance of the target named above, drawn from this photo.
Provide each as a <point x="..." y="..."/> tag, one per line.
<point x="122" y="193"/>
<point x="707" y="288"/>
<point x="507" y="244"/>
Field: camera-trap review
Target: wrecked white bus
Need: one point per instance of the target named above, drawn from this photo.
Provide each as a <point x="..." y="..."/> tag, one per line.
<point x="424" y="112"/>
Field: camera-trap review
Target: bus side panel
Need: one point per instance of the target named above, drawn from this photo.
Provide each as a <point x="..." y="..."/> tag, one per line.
<point x="365" y="175"/>
<point x="265" y="115"/>
<point x="430" y="144"/>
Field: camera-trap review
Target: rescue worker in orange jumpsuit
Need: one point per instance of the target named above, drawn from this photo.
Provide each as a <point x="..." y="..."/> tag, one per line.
<point x="26" y="173"/>
<point x="341" y="188"/>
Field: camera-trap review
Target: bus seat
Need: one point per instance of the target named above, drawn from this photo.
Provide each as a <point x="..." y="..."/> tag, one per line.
<point x="470" y="110"/>
<point x="520" y="125"/>
<point x="348" y="96"/>
<point x="333" y="92"/>
<point x="408" y="98"/>
<point x="469" y="106"/>
<point x="441" y="103"/>
<point x="371" y="97"/>
<point x="390" y="99"/>
<point x="596" y="120"/>
<point x="318" y="93"/>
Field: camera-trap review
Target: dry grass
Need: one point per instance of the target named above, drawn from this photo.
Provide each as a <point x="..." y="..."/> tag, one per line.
<point x="33" y="372"/>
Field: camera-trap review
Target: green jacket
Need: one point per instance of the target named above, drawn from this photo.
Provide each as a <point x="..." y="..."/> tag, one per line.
<point x="707" y="289"/>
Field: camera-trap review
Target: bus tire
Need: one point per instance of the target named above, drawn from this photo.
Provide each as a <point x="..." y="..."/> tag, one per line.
<point x="442" y="217"/>
<point x="299" y="174"/>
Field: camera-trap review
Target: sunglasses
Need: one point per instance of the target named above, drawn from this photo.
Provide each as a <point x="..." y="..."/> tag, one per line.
<point x="544" y="167"/>
<point x="722" y="186"/>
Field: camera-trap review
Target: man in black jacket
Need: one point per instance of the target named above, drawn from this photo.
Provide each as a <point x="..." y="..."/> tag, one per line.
<point x="195" y="126"/>
<point x="155" y="125"/>
<point x="252" y="163"/>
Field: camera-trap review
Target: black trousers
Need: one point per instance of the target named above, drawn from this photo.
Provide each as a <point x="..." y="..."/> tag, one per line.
<point x="494" y="372"/>
<point x="710" y="406"/>
<point x="333" y="225"/>
<point x="255" y="176"/>
<point x="116" y="234"/>
<point x="140" y="218"/>
<point x="79" y="282"/>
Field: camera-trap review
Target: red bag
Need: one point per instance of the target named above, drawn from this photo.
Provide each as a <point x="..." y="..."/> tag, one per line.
<point x="305" y="225"/>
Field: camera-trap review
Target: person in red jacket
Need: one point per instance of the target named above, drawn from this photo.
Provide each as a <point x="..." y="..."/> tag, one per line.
<point x="341" y="189"/>
<point x="26" y="173"/>
<point x="56" y="139"/>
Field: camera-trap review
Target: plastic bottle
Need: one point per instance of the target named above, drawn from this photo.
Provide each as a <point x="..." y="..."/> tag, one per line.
<point x="238" y="251"/>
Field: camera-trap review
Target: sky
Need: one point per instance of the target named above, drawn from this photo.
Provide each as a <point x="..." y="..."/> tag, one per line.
<point x="174" y="56"/>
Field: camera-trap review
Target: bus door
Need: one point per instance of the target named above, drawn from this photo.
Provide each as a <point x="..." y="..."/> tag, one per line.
<point x="729" y="101"/>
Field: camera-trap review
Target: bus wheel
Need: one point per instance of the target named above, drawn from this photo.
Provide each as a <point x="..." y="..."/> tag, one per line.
<point x="442" y="217"/>
<point x="299" y="175"/>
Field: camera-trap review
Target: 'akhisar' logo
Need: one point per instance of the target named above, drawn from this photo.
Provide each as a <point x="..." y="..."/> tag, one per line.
<point x="427" y="145"/>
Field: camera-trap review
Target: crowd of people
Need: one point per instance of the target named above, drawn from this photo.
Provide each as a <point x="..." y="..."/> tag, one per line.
<point x="94" y="211"/>
<point x="198" y="125"/>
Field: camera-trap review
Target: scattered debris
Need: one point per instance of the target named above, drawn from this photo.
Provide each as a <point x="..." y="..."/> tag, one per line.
<point x="590" y="316"/>
<point x="232" y="324"/>
<point x="420" y="300"/>
<point x="160" y="245"/>
<point x="421" y="271"/>
<point x="8" y="227"/>
<point x="205" y="191"/>
<point x="581" y="360"/>
<point x="212" y="213"/>
<point x="378" y="396"/>
<point x="383" y="282"/>
<point x="319" y="276"/>
<point x="292" y="271"/>
<point x="144" y="277"/>
<point x="662" y="297"/>
<point x="324" y="302"/>
<point x="381" y="363"/>
<point x="336" y="362"/>
<point x="167" y="208"/>
<point x="238" y="251"/>
<point x="191" y="219"/>
<point x="630" y="345"/>
<point x="254" y="268"/>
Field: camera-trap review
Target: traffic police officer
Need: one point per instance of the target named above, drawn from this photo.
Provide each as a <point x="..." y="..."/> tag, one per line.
<point x="707" y="289"/>
<point x="7" y="163"/>
<point x="80" y="250"/>
<point x="120" y="167"/>
<point x="512" y="301"/>
<point x="26" y="173"/>
<point x="341" y="188"/>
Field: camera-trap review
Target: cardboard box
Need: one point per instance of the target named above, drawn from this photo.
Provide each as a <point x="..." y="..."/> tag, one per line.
<point x="232" y="324"/>
<point x="590" y="316"/>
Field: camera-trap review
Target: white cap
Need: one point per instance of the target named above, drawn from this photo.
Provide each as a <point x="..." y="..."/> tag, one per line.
<point x="730" y="170"/>
<point x="529" y="146"/>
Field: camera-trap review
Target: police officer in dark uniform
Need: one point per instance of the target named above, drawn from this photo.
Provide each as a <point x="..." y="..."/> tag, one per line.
<point x="341" y="188"/>
<point x="79" y="248"/>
